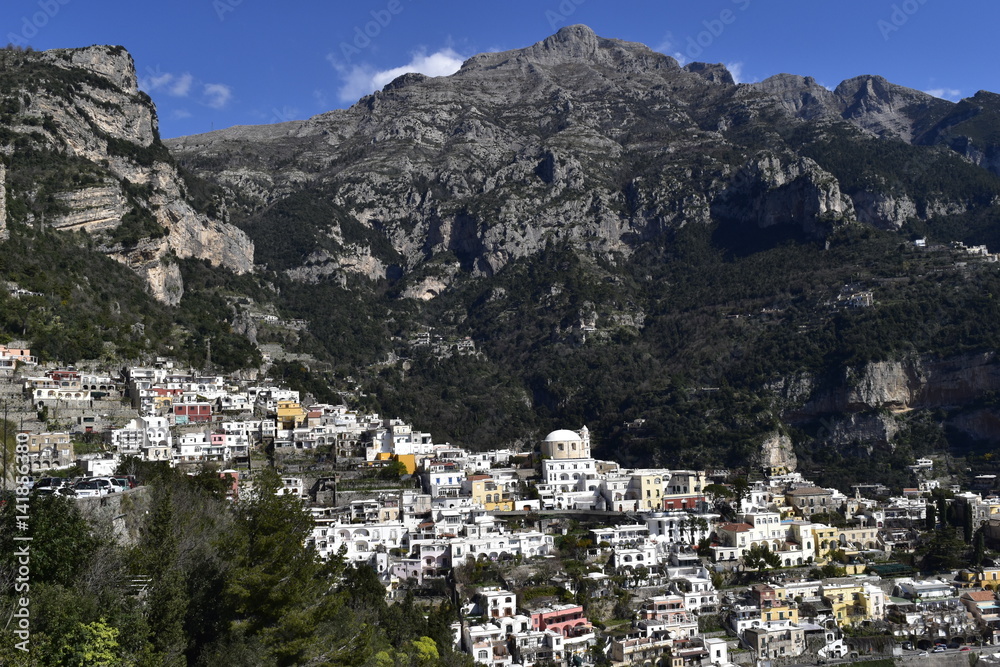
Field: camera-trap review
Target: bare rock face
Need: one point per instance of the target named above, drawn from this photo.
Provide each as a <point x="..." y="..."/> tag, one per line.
<point x="859" y="433"/>
<point x="914" y="383"/>
<point x="883" y="384"/>
<point x="772" y="191"/>
<point x="357" y="260"/>
<point x="884" y="210"/>
<point x="598" y="143"/>
<point x="776" y="453"/>
<point x="799" y="95"/>
<point x="92" y="209"/>
<point x="102" y="117"/>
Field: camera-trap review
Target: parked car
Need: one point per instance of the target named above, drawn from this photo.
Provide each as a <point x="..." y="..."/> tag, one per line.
<point x="127" y="480"/>
<point x="93" y="487"/>
<point x="965" y="648"/>
<point x="49" y="483"/>
<point x="939" y="649"/>
<point x="120" y="485"/>
<point x="923" y="654"/>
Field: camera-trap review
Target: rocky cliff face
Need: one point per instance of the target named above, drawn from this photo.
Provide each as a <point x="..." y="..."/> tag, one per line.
<point x="771" y="191"/>
<point x="776" y="452"/>
<point x="599" y="142"/>
<point x="92" y="110"/>
<point x="858" y="406"/>
<point x="912" y="383"/>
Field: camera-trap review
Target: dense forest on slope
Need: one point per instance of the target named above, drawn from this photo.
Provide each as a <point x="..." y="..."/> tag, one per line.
<point x="197" y="584"/>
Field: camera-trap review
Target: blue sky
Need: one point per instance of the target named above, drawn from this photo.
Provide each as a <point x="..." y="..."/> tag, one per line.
<point x="216" y="63"/>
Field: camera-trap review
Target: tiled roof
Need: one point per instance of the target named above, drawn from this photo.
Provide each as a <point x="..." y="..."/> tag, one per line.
<point x="980" y="596"/>
<point x="736" y="527"/>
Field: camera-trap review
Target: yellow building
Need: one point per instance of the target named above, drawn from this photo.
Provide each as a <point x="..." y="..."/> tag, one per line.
<point x="825" y="539"/>
<point x="848" y="540"/>
<point x="47" y="450"/>
<point x="780" y="611"/>
<point x="853" y="602"/>
<point x="988" y="577"/>
<point x="486" y="492"/>
<point x="647" y="489"/>
<point x="162" y="404"/>
<point x="290" y="414"/>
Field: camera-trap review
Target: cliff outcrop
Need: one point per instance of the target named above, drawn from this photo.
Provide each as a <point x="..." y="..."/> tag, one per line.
<point x="90" y="111"/>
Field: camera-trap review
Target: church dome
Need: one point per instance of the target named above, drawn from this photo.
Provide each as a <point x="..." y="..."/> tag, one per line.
<point x="563" y="435"/>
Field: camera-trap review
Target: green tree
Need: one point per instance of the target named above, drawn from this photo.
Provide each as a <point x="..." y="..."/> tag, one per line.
<point x="92" y="645"/>
<point x="157" y="558"/>
<point x="760" y="558"/>
<point x="741" y="491"/>
<point x="273" y="576"/>
<point x="62" y="540"/>
<point x="978" y="548"/>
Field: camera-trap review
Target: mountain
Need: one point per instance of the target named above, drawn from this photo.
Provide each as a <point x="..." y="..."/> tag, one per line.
<point x="584" y="231"/>
<point x="85" y="155"/>
<point x="99" y="227"/>
<point x="598" y="141"/>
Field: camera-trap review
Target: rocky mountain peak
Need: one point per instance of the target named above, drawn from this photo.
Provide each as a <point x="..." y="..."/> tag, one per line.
<point x="877" y="105"/>
<point x="110" y="62"/>
<point x="575" y="45"/>
<point x="578" y="41"/>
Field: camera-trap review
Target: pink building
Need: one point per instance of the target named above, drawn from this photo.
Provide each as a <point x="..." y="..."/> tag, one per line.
<point x="566" y="619"/>
<point x="667" y="608"/>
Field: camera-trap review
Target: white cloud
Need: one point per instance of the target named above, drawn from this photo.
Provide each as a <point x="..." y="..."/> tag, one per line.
<point x="181" y="86"/>
<point x="180" y="114"/>
<point x="945" y="93"/>
<point x="172" y="84"/>
<point x="668" y="48"/>
<point x="360" y="80"/>
<point x="217" y="95"/>
<point x="736" y="69"/>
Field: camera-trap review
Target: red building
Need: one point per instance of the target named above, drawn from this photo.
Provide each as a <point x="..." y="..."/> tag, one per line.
<point x="193" y="412"/>
<point x="64" y="376"/>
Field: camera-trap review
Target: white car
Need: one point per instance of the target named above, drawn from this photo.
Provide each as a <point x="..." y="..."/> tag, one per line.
<point x="93" y="487"/>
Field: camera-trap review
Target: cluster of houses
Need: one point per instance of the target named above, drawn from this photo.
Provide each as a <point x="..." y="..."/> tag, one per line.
<point x="663" y="535"/>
